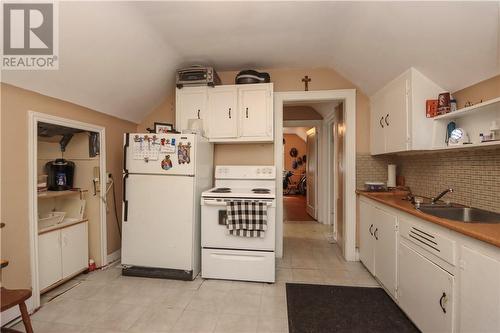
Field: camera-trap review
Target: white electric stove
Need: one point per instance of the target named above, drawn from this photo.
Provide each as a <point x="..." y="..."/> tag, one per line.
<point x="233" y="257"/>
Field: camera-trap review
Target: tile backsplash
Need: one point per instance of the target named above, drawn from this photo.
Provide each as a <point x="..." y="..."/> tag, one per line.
<point x="474" y="175"/>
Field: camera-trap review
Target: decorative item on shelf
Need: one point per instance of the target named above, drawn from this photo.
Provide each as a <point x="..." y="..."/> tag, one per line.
<point x="449" y="128"/>
<point x="444" y="103"/>
<point x="163" y="128"/>
<point x="431" y="106"/>
<point x="453" y="105"/>
<point x="374" y="186"/>
<point x="458" y="137"/>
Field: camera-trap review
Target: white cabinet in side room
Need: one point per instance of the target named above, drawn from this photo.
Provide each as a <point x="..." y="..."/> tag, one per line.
<point x="479" y="293"/>
<point x="398" y="115"/>
<point x="190" y="103"/>
<point x="223" y="116"/>
<point x="255" y="106"/>
<point x="366" y="240"/>
<point x="74" y="245"/>
<point x="425" y="291"/>
<point x="378" y="244"/>
<point x="49" y="258"/>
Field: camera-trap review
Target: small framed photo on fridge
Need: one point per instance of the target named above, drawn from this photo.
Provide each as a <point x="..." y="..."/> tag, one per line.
<point x="163" y="128"/>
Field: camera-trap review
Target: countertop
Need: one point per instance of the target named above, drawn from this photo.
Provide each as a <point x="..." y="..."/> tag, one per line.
<point x="61" y="225"/>
<point x="486" y="232"/>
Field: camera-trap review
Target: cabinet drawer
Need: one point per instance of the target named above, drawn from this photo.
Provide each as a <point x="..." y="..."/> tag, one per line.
<point x="238" y="265"/>
<point x="430" y="241"/>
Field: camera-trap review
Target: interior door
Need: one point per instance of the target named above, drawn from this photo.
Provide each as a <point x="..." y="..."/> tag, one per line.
<point x="385" y="249"/>
<point x="366" y="239"/>
<point x="311" y="172"/>
<point x="254" y="110"/>
<point x="192" y="104"/>
<point x="223" y="115"/>
<point x="75" y="250"/>
<point x="49" y="258"/>
<point x="158" y="231"/>
<point x="425" y="291"/>
<point x="340" y="175"/>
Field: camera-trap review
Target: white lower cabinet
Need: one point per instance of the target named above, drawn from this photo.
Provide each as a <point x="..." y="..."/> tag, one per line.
<point x="425" y="291"/>
<point x="479" y="292"/>
<point x="378" y="240"/>
<point x="444" y="281"/>
<point x="62" y="253"/>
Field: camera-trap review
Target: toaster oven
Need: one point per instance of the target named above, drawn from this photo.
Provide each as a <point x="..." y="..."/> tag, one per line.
<point x="197" y="76"/>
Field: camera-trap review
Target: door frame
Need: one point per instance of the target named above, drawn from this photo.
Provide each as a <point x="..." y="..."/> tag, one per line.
<point x="33" y="119"/>
<point x="349" y="98"/>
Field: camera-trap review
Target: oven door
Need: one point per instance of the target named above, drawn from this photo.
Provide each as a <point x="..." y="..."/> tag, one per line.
<point x="214" y="231"/>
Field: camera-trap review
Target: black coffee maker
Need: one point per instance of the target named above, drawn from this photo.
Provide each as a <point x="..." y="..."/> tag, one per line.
<point x="60" y="174"/>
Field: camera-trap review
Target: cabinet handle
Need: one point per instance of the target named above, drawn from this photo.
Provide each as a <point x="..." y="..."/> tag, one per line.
<point x="375" y="233"/>
<point x="125" y="201"/>
<point x="229" y="113"/>
<point x="386" y="120"/>
<point x="198" y="113"/>
<point x="380" y="122"/>
<point x="441" y="301"/>
<point x="370" y="230"/>
<point x="246" y="112"/>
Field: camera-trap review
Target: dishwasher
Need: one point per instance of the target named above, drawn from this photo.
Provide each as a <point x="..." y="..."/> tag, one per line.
<point x="430" y="305"/>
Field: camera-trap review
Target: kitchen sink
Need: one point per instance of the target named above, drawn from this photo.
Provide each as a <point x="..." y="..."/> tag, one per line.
<point x="462" y="214"/>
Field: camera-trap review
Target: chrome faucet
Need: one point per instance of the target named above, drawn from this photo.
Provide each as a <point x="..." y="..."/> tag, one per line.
<point x="440" y="195"/>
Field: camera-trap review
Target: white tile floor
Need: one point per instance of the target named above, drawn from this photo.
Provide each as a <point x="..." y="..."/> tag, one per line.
<point x="105" y="301"/>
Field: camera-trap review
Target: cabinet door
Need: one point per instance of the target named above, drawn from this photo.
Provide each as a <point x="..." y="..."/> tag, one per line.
<point x="223" y="113"/>
<point x="479" y="292"/>
<point x="425" y="292"/>
<point x="395" y="115"/>
<point x="49" y="258"/>
<point x="385" y="249"/>
<point x="75" y="253"/>
<point x="377" y="132"/>
<point x="255" y="110"/>
<point x="191" y="103"/>
<point x="366" y="240"/>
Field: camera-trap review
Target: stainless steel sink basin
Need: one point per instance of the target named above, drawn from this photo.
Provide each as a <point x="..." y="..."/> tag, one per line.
<point x="463" y="214"/>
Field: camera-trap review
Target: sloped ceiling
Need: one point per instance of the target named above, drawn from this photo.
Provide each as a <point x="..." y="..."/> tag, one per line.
<point x="120" y="57"/>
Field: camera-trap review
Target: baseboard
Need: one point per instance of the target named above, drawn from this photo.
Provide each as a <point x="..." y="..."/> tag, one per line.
<point x="13" y="313"/>
<point x="114" y="256"/>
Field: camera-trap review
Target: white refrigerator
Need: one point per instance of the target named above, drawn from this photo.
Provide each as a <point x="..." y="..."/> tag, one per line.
<point x="163" y="177"/>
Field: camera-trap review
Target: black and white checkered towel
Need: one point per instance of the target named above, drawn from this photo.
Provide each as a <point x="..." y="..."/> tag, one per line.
<point x="246" y="218"/>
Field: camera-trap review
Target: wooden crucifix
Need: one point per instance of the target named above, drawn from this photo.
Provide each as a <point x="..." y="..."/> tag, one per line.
<point x="306" y="81"/>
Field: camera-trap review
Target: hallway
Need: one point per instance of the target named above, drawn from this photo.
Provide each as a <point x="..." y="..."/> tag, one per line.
<point x="294" y="209"/>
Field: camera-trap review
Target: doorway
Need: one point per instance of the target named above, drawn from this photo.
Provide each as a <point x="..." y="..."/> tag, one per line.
<point x="67" y="200"/>
<point x="299" y="167"/>
<point x="326" y="199"/>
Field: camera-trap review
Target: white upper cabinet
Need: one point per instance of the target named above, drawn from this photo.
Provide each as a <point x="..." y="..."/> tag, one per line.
<point x="398" y="119"/>
<point x="190" y="103"/>
<point x="255" y="106"/>
<point x="223" y="119"/>
<point x="230" y="113"/>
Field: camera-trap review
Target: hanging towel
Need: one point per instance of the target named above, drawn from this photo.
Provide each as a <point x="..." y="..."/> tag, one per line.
<point x="246" y="218"/>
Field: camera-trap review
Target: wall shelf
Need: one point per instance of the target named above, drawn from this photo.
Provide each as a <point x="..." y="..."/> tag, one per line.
<point x="471" y="145"/>
<point x="56" y="194"/>
<point x="464" y="112"/>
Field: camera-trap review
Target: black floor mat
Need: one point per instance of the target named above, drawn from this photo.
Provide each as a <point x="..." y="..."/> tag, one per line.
<point x="318" y="308"/>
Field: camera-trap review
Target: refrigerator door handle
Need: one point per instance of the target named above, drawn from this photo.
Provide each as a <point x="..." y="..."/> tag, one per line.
<point x="125" y="201"/>
<point x="125" y="149"/>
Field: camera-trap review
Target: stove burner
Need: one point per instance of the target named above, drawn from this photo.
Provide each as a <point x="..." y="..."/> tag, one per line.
<point x="261" y="190"/>
<point x="221" y="190"/>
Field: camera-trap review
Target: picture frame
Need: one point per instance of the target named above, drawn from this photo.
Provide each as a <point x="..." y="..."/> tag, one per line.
<point x="163" y="128"/>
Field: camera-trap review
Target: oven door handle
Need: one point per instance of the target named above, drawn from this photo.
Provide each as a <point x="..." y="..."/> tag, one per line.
<point x="224" y="203"/>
